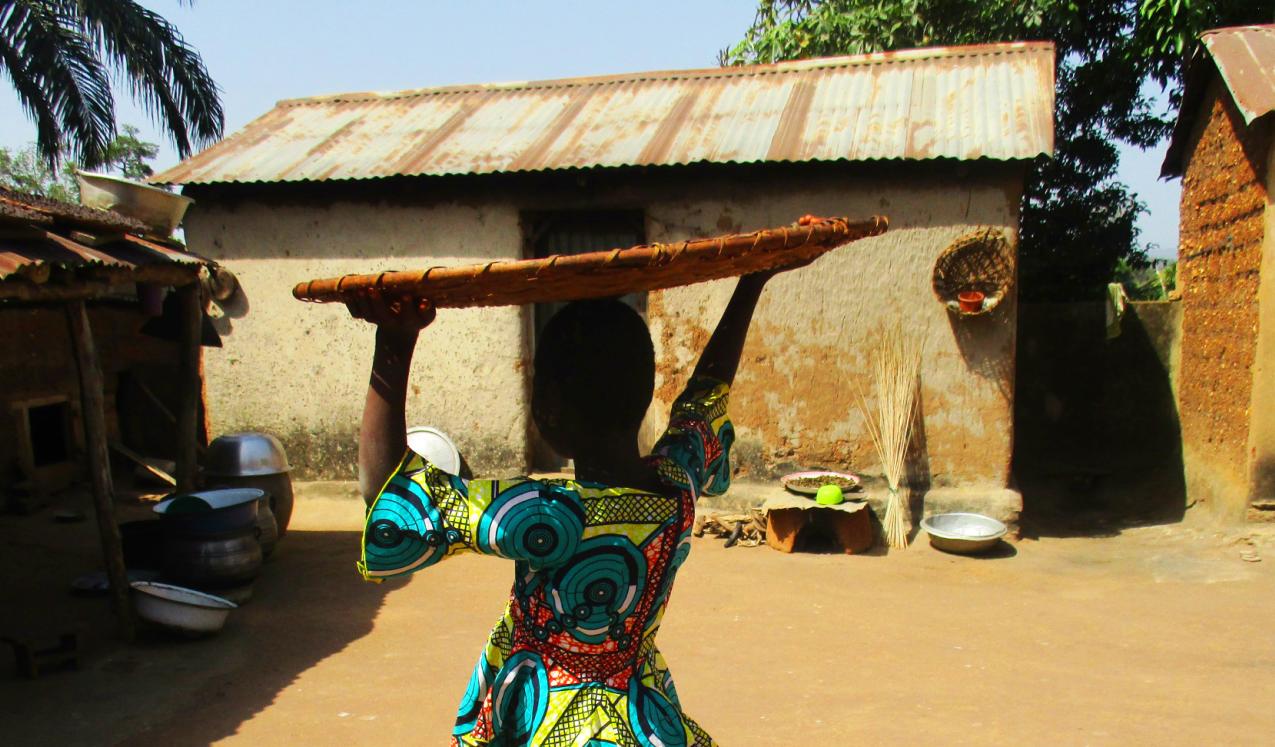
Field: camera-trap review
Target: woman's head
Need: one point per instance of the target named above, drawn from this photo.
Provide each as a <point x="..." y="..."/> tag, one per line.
<point x="594" y="374"/>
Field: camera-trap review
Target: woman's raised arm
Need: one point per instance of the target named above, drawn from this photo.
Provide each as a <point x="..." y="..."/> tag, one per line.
<point x="720" y="358"/>
<point x="383" y="433"/>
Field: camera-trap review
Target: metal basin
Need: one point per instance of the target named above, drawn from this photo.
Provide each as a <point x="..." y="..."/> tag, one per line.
<point x="963" y="533"/>
<point x="162" y="211"/>
<point x="245" y="455"/>
<point x="210" y="512"/>
<point x="186" y="610"/>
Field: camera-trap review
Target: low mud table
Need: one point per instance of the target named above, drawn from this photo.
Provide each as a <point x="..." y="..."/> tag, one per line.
<point x="793" y="521"/>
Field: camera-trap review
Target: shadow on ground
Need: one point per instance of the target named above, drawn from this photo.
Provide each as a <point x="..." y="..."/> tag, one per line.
<point x="307" y="605"/>
<point x="1097" y="442"/>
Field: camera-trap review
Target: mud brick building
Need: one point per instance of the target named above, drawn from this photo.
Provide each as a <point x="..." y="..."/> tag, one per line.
<point x="1221" y="149"/>
<point x="936" y="139"/>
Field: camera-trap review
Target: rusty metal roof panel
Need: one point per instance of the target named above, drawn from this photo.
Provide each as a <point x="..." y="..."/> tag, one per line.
<point x="988" y="101"/>
<point x="1245" y="57"/>
<point x="27" y="255"/>
<point x="41" y="234"/>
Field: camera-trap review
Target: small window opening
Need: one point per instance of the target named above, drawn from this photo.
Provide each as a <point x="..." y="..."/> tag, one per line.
<point x="50" y="429"/>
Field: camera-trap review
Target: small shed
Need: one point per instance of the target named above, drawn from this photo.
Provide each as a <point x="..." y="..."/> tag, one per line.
<point x="80" y="376"/>
<point x="936" y="139"/>
<point x="1221" y="149"/>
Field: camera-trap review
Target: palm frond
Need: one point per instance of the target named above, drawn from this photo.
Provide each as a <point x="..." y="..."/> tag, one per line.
<point x="165" y="74"/>
<point x="55" y="58"/>
<point x="30" y="95"/>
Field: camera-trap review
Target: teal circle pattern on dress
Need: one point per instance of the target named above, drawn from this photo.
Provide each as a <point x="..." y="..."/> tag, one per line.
<point x="599" y="588"/>
<point x="471" y="704"/>
<point x="521" y="698"/>
<point x="656" y="721"/>
<point x="524" y="524"/>
<point x="404" y="529"/>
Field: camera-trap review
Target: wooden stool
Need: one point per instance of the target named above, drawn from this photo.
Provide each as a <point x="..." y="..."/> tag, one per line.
<point x="31" y="652"/>
<point x="789" y="519"/>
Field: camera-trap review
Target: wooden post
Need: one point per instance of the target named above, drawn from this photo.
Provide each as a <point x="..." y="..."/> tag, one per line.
<point x="190" y="386"/>
<point x="93" y="410"/>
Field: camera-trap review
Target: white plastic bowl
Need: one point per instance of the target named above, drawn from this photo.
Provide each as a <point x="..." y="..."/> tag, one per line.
<point x="179" y="608"/>
<point x="162" y="211"/>
<point x="436" y="447"/>
<point x="963" y="533"/>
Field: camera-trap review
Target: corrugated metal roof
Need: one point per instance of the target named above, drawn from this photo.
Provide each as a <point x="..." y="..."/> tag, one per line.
<point x="24" y="256"/>
<point x="989" y="101"/>
<point x="39" y="236"/>
<point x="1244" y="58"/>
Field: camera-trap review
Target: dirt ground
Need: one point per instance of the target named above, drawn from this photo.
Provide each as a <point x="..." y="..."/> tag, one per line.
<point x="1156" y="635"/>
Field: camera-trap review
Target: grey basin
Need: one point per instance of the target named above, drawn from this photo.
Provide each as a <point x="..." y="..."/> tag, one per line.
<point x="963" y="533"/>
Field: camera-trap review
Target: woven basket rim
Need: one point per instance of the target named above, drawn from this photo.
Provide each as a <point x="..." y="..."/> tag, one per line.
<point x="994" y="245"/>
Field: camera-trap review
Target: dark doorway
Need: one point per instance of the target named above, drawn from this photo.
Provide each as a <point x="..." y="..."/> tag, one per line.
<point x="49" y="426"/>
<point x="576" y="232"/>
<point x="1097" y="443"/>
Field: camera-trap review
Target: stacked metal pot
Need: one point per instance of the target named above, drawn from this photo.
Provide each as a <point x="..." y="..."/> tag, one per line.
<point x="217" y="539"/>
<point x="210" y="538"/>
<point x="254" y="460"/>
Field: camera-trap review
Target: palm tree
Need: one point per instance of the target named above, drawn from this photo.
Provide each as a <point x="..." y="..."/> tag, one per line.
<point x="59" y="55"/>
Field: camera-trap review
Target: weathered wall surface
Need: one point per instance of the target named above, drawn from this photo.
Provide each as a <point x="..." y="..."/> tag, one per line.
<point x="300" y="371"/>
<point x="38" y="364"/>
<point x="795" y="399"/>
<point x="1224" y="201"/>
<point x="1262" y="408"/>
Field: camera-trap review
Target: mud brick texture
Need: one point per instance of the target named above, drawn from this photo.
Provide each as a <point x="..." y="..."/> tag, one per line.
<point x="1220" y="254"/>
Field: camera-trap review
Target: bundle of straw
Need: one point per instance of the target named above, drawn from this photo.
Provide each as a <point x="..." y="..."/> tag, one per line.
<point x="896" y="368"/>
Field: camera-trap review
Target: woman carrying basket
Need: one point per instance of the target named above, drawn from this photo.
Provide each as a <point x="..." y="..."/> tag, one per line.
<point x="573" y="660"/>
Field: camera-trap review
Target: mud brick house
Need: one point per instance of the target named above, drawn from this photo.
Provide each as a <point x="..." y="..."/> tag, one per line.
<point x="937" y="139"/>
<point x="1221" y="148"/>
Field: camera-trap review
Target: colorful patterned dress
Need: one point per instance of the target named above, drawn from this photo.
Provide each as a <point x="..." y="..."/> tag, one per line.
<point x="573" y="660"/>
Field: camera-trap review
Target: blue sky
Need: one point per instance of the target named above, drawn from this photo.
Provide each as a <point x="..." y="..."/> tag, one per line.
<point x="260" y="52"/>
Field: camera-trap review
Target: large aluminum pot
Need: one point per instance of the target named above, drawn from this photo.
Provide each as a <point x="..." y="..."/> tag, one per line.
<point x="245" y="455"/>
<point x="212" y="562"/>
<point x="277" y="487"/>
<point x="252" y="460"/>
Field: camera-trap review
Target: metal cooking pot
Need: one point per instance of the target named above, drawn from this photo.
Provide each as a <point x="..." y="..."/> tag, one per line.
<point x="267" y="527"/>
<point x="210" y="512"/>
<point x="245" y="455"/>
<point x="252" y="460"/>
<point x="277" y="487"/>
<point x="212" y="562"/>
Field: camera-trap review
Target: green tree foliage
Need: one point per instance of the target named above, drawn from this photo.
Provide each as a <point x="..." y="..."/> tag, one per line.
<point x="26" y="171"/>
<point x="59" y="56"/>
<point x="1077" y="219"/>
<point x="1154" y="281"/>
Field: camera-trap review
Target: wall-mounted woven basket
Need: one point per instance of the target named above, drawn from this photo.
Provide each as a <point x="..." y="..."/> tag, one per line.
<point x="981" y="261"/>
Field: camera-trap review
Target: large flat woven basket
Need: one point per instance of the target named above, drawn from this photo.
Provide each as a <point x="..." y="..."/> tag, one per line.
<point x="605" y="273"/>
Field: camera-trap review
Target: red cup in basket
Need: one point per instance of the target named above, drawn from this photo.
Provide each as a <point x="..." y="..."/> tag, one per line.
<point x="971" y="300"/>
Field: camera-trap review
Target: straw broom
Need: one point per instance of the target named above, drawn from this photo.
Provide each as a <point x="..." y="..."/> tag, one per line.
<point x="896" y="368"/>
